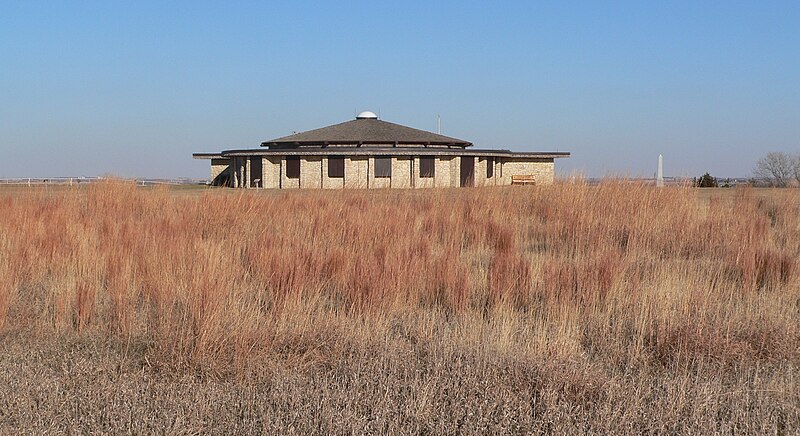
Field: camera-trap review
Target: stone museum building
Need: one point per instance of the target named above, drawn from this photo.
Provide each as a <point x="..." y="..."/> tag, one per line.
<point x="372" y="153"/>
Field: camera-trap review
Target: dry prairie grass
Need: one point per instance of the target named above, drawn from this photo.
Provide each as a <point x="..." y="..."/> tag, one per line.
<point x="618" y="308"/>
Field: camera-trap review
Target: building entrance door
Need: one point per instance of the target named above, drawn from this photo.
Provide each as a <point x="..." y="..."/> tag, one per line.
<point x="467" y="171"/>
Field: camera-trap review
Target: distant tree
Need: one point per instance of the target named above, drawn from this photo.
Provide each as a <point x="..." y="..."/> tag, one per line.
<point x="796" y="168"/>
<point x="706" y="181"/>
<point x="777" y="168"/>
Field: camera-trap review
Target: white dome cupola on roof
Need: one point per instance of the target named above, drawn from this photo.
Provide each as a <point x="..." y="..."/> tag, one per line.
<point x="366" y="115"/>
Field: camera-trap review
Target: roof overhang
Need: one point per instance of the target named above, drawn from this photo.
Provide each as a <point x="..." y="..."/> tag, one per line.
<point x="392" y="151"/>
<point x="207" y="156"/>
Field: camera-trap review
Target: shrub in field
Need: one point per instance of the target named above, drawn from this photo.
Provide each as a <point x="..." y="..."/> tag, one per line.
<point x="706" y="181"/>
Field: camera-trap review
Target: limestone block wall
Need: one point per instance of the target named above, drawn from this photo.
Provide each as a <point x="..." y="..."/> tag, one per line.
<point x="311" y="172"/>
<point x="331" y="182"/>
<point x="219" y="166"/>
<point x="359" y="172"/>
<point x="401" y="172"/>
<point x="455" y="172"/>
<point x="441" y="175"/>
<point x="271" y="177"/>
<point x="480" y="172"/>
<point x="481" y="165"/>
<point x="542" y="169"/>
<point x="355" y="172"/>
<point x="287" y="183"/>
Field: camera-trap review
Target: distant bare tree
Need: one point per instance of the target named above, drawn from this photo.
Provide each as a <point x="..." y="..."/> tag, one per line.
<point x="777" y="167"/>
<point x="797" y="168"/>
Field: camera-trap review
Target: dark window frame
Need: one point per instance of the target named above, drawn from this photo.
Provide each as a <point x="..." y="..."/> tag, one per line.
<point x="383" y="167"/>
<point x="427" y="167"/>
<point x="292" y="167"/>
<point x="335" y="167"/>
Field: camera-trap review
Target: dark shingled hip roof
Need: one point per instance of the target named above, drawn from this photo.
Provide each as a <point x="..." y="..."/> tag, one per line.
<point x="366" y="131"/>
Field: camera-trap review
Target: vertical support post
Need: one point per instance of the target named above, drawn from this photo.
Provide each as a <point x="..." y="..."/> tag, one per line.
<point x="411" y="176"/>
<point x="247" y="172"/>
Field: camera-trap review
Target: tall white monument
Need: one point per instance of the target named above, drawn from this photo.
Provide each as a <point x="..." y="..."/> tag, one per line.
<point x="660" y="176"/>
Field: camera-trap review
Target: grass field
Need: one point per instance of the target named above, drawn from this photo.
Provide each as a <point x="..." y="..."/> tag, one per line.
<point x="615" y="308"/>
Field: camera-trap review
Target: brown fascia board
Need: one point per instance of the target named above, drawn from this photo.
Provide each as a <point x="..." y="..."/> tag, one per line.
<point x="393" y="151"/>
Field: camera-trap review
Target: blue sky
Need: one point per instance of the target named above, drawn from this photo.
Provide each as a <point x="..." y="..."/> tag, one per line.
<point x="133" y="88"/>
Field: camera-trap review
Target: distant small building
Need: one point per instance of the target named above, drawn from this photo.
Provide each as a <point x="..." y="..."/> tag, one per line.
<point x="372" y="153"/>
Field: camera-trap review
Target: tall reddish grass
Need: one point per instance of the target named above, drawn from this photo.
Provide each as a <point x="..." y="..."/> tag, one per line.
<point x="217" y="279"/>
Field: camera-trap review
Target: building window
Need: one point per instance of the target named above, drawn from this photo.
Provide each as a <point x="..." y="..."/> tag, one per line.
<point x="427" y="167"/>
<point x="383" y="167"/>
<point x="336" y="167"/>
<point x="489" y="167"/>
<point x="292" y="167"/>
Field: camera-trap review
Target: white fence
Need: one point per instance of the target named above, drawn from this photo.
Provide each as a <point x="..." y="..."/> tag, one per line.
<point x="72" y="181"/>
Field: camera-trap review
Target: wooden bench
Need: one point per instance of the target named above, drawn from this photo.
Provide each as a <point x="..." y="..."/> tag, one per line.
<point x="523" y="180"/>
